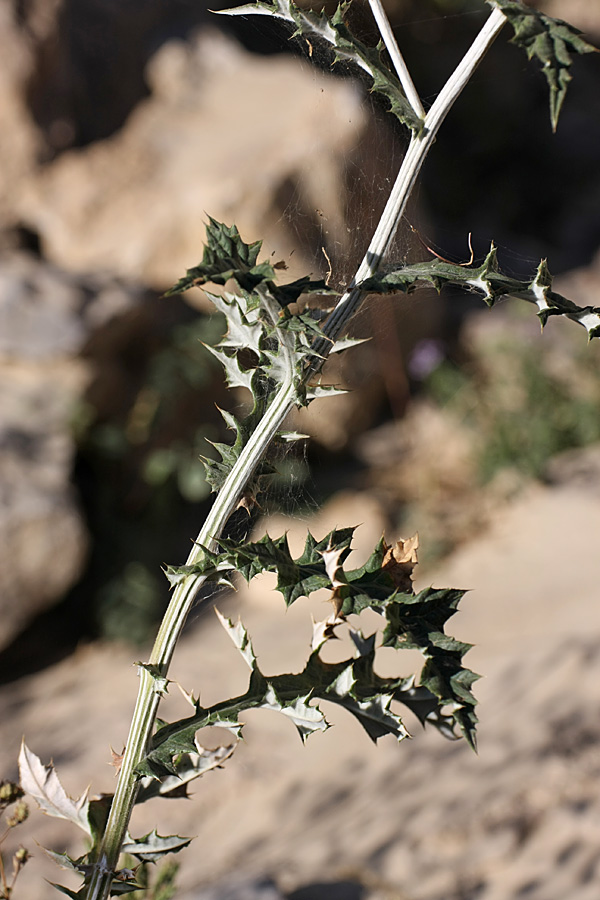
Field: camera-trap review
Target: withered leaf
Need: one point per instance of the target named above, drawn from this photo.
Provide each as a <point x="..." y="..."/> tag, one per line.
<point x="399" y="561"/>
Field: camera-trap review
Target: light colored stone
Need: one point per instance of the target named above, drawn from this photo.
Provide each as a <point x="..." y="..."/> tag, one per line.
<point x="222" y="133"/>
<point x="19" y="141"/>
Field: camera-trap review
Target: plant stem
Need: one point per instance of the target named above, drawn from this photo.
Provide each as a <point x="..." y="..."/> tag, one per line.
<point x="416" y="154"/>
<point x="385" y="29"/>
<point x="230" y="494"/>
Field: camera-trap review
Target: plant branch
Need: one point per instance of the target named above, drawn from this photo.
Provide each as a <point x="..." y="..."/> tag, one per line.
<point x="153" y="677"/>
<point x="416" y="154"/>
<point x="393" y="49"/>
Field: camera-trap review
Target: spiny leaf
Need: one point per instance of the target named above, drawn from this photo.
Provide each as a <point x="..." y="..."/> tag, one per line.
<point x="188" y="766"/>
<point x="160" y="682"/>
<point x="295" y="578"/>
<point x="124" y="882"/>
<point x="345" y="46"/>
<point x="493" y="284"/>
<point x="41" y="782"/>
<point x="383" y="584"/>
<point x="239" y="636"/>
<point x="417" y="622"/>
<point x="352" y="684"/>
<point x="550" y="41"/>
<point x="66" y="862"/>
<point x="208" y="565"/>
<point x="152" y="846"/>
<point x="244" y="328"/>
<point x="226" y="256"/>
<point x="234" y="374"/>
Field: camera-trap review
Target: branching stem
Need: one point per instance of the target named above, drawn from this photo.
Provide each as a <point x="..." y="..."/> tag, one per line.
<point x="229" y="496"/>
<point x="385" y="29"/>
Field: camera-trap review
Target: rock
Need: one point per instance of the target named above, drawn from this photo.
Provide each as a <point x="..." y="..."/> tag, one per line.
<point x="19" y="141"/>
<point x="223" y="133"/>
<point x="46" y="318"/>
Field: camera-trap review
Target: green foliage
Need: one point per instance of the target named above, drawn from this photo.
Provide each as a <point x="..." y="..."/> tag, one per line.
<point x="227" y="257"/>
<point x="551" y="42"/>
<point x="266" y="343"/>
<point x="129" y="604"/>
<point x="489" y="281"/>
<point x="412" y="621"/>
<point x="138" y="461"/>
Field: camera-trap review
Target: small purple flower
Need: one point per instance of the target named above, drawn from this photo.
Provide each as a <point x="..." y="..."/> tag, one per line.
<point x="425" y="358"/>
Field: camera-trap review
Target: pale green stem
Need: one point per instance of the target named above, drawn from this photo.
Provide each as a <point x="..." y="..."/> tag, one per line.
<point x="230" y="494"/>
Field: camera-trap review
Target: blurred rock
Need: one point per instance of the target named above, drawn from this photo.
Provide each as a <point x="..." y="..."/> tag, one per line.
<point x="46" y="318"/>
<point x="581" y="13"/>
<point x="223" y="133"/>
<point x="18" y="137"/>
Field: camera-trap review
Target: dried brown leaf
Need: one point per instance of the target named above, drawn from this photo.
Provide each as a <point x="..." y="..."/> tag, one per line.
<point x="399" y="561"/>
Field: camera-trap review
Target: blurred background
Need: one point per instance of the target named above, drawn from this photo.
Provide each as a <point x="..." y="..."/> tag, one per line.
<point x="124" y="124"/>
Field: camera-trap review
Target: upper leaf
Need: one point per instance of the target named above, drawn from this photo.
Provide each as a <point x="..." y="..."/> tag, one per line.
<point x="550" y="41"/>
<point x="295" y="577"/>
<point x="345" y="46"/>
<point x="226" y="256"/>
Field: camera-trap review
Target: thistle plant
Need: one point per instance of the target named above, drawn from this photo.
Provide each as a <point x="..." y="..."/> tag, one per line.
<point x="275" y="347"/>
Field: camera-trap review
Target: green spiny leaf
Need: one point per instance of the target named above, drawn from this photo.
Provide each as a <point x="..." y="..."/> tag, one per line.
<point x="295" y="578"/>
<point x="189" y="766"/>
<point x="208" y="565"/>
<point x="551" y="42"/>
<point x="492" y="283"/>
<point x="160" y="681"/>
<point x="152" y="846"/>
<point x="417" y="622"/>
<point x="413" y="621"/>
<point x="226" y="256"/>
<point x="351" y="684"/>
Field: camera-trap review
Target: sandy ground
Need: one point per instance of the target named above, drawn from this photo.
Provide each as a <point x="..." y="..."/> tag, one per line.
<point x="424" y="820"/>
